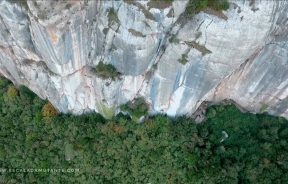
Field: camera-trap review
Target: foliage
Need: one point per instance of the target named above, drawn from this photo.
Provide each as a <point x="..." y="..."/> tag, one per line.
<point x="159" y="4"/>
<point x="195" y="6"/>
<point x="12" y="92"/>
<point x="136" y="108"/>
<point x="218" y="5"/>
<point x="112" y="16"/>
<point x="174" y="39"/>
<point x="159" y="150"/>
<point x="26" y="92"/>
<point x="106" y="71"/>
<point x="3" y="83"/>
<point x="183" y="60"/>
<point x="49" y="110"/>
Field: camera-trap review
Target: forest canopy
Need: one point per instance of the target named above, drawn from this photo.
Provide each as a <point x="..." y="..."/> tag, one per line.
<point x="230" y="147"/>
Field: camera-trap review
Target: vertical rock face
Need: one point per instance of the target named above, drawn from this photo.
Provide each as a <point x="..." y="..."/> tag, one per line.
<point x="174" y="62"/>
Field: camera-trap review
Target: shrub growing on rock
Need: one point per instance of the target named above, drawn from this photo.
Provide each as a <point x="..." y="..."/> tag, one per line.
<point x="195" y="6"/>
<point x="112" y="17"/>
<point x="106" y="71"/>
<point x="136" y="108"/>
<point x="183" y="60"/>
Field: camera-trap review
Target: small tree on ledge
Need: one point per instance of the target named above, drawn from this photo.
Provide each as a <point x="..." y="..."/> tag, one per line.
<point x="106" y="71"/>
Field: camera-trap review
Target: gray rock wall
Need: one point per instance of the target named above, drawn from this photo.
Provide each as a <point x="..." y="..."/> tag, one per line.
<point x="239" y="54"/>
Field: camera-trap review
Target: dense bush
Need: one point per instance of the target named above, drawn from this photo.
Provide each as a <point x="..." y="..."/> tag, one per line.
<point x="230" y="147"/>
<point x="194" y="6"/>
<point x="136" y="108"/>
<point x="184" y="59"/>
<point x="106" y="71"/>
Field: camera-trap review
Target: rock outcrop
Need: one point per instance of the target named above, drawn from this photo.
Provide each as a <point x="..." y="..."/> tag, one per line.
<point x="239" y="54"/>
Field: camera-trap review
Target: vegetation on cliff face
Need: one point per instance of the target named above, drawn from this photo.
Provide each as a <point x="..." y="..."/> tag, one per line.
<point x="195" y="6"/>
<point x="112" y="17"/>
<point x="136" y="109"/>
<point x="106" y="71"/>
<point x="183" y="60"/>
<point x="230" y="147"/>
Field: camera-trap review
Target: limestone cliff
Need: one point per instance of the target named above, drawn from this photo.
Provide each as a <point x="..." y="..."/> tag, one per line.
<point x="239" y="54"/>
